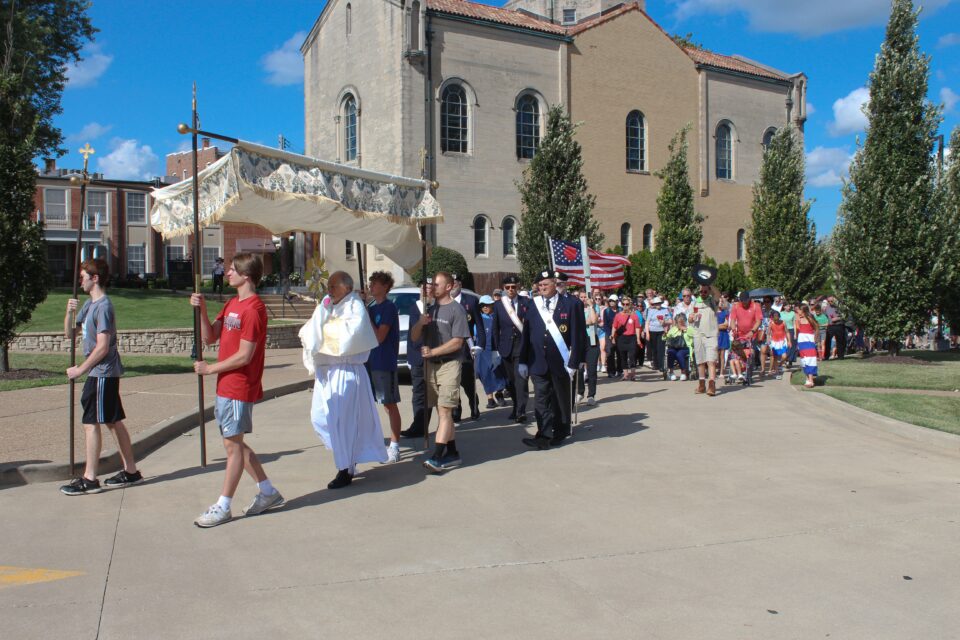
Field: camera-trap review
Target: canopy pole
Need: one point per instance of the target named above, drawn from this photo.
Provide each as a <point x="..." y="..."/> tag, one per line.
<point x="84" y="180"/>
<point x="363" y="280"/>
<point x="197" y="254"/>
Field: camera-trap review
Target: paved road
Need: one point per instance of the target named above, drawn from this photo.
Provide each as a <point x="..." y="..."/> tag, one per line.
<point x="763" y="513"/>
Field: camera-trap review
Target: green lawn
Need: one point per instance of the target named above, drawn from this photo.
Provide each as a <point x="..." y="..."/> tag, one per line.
<point x="135" y="308"/>
<point x="943" y="374"/>
<point x="933" y="412"/>
<point x="134" y="365"/>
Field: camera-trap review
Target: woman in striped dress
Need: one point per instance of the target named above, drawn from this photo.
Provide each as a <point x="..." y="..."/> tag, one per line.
<point x="807" y="327"/>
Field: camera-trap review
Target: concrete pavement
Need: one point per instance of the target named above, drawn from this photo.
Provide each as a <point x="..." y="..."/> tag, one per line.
<point x="762" y="513"/>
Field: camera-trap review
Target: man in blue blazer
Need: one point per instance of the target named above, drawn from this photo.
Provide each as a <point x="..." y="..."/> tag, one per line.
<point x="552" y="348"/>
<point x="508" y="311"/>
<point x="468" y="376"/>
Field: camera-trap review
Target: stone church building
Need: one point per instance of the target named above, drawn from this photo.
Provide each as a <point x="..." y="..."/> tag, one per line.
<point x="458" y="91"/>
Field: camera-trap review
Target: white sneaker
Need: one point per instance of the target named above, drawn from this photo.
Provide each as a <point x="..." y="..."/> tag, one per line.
<point x="213" y="516"/>
<point x="393" y="453"/>
<point x="683" y="376"/>
<point x="603" y="368"/>
<point x="579" y="399"/>
<point x="673" y="378"/>
<point x="263" y="502"/>
<point x="591" y="401"/>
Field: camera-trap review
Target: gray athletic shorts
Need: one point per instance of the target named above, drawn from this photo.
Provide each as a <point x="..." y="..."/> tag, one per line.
<point x="234" y="416"/>
<point x="386" y="387"/>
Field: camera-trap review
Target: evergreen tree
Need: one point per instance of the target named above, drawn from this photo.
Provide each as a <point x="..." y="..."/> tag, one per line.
<point x="554" y="196"/>
<point x="947" y="231"/>
<point x="883" y="238"/>
<point x="782" y="247"/>
<point x="39" y="38"/>
<point x="449" y="260"/>
<point x="680" y="234"/>
<point x="640" y="274"/>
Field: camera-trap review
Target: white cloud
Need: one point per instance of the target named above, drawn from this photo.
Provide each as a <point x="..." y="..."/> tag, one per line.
<point x="128" y="160"/>
<point x="948" y="40"/>
<point x="848" y="115"/>
<point x="90" y="131"/>
<point x="811" y="109"/>
<point x="86" y="72"/>
<point x="810" y="18"/>
<point x="827" y="166"/>
<point x="949" y="99"/>
<point x="284" y="65"/>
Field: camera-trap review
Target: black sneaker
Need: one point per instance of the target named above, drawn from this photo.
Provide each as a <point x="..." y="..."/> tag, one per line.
<point x="342" y="480"/>
<point x="123" y="479"/>
<point x="81" y="486"/>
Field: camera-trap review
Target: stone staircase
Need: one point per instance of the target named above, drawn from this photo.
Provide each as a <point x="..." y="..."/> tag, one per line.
<point x="294" y="308"/>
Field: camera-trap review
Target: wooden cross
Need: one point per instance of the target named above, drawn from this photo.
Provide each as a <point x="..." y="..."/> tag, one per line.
<point x="86" y="152"/>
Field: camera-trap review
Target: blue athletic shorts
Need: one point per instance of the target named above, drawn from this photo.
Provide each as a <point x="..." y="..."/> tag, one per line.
<point x="233" y="416"/>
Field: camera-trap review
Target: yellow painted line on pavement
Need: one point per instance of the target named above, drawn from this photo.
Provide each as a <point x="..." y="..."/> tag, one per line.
<point x="18" y="576"/>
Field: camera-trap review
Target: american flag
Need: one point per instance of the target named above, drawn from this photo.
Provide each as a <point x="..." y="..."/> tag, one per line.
<point x="606" y="269"/>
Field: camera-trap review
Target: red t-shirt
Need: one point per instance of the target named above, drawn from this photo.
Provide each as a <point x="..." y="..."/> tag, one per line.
<point x="242" y="320"/>
<point x="745" y="319"/>
<point x="625" y="324"/>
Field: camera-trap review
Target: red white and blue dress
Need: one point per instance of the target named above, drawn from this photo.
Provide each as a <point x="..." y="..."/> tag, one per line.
<point x="807" y="346"/>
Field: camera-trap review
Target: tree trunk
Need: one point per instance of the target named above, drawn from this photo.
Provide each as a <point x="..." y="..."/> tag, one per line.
<point x="5" y="358"/>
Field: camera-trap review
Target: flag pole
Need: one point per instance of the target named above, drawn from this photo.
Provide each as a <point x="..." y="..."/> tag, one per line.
<point x="197" y="338"/>
<point x="546" y="236"/>
<point x="83" y="180"/>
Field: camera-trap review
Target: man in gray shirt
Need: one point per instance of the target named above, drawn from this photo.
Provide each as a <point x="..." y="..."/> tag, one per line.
<point x="445" y="330"/>
<point x="100" y="398"/>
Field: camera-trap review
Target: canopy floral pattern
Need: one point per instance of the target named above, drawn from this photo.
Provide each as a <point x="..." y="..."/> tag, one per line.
<point x="285" y="192"/>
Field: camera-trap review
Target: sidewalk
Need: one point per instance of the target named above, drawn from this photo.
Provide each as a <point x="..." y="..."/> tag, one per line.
<point x="762" y="514"/>
<point x="34" y="422"/>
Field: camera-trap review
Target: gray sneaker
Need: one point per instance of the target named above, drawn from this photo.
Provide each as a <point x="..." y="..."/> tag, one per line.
<point x="263" y="502"/>
<point x="213" y="516"/>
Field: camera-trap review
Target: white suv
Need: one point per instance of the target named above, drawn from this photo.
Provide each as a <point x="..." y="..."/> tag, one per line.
<point x="406" y="297"/>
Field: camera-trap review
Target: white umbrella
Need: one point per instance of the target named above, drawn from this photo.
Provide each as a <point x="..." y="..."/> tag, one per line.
<point x="285" y="192"/>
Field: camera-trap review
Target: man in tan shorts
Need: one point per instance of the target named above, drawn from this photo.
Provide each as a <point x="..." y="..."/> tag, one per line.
<point x="444" y="330"/>
<point x="703" y="317"/>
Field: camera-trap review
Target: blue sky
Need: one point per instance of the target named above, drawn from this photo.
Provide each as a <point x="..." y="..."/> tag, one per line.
<point x="134" y="85"/>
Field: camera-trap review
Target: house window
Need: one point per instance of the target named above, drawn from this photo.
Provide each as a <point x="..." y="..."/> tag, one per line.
<point x="55" y="205"/>
<point x="569" y="16"/>
<point x="348" y="250"/>
<point x="136" y="259"/>
<point x="453" y="119"/>
<point x="741" y="245"/>
<point x="97" y="209"/>
<point x="625" y="238"/>
<point x="210" y="255"/>
<point x="724" y="152"/>
<point x="768" y="137"/>
<point x="175" y="252"/>
<point x="350" y="129"/>
<point x="648" y="237"/>
<point x="480" y="227"/>
<point x="636" y="142"/>
<point x="136" y="208"/>
<point x="509" y="228"/>
<point x="528" y="126"/>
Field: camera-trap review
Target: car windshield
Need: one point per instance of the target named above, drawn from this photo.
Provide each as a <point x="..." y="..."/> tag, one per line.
<point x="404" y="301"/>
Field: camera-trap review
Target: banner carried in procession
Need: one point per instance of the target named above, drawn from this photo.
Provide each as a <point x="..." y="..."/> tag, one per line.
<point x="285" y="192"/>
<point x="605" y="269"/>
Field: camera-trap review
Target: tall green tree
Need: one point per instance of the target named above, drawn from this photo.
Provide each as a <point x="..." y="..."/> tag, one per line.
<point x="782" y="247"/>
<point x="679" y="238"/>
<point x="883" y="241"/>
<point x="947" y="231"/>
<point x="554" y="195"/>
<point x="38" y="39"/>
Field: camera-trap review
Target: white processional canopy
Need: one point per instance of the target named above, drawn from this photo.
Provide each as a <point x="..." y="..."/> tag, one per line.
<point x="285" y="192"/>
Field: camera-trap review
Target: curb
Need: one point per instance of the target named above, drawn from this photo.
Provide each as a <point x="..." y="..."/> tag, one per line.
<point x="877" y="422"/>
<point x="143" y="443"/>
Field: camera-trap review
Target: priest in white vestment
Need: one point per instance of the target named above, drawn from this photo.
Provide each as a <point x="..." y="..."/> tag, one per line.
<point x="336" y="343"/>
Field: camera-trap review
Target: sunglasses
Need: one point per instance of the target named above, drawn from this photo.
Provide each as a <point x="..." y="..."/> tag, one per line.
<point x="509" y="286"/>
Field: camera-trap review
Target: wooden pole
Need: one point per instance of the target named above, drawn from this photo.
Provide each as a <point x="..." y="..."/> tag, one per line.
<point x="197" y="255"/>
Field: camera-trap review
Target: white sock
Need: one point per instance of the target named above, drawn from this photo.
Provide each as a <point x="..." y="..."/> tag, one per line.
<point x="266" y="487"/>
<point x="394" y="445"/>
<point x="224" y="503"/>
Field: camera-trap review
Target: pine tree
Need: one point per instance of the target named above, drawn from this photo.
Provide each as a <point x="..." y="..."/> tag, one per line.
<point x="947" y="232"/>
<point x="38" y="39"/>
<point x="883" y="242"/>
<point x="554" y="196"/>
<point x="782" y="248"/>
<point x="679" y="238"/>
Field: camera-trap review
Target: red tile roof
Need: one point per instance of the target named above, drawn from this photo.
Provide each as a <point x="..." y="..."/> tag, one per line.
<point x="600" y="19"/>
<point x="494" y="14"/>
<point x="729" y="63"/>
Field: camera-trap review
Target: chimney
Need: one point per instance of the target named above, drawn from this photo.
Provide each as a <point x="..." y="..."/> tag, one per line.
<point x="206" y="142"/>
<point x="49" y="165"/>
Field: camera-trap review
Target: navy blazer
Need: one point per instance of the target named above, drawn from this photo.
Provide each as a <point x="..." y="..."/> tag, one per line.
<point x="505" y="336"/>
<point x="471" y="304"/>
<point x="414" y="357"/>
<point x="539" y="352"/>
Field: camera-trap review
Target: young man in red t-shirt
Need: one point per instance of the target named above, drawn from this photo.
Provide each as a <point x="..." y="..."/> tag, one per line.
<point x="241" y="328"/>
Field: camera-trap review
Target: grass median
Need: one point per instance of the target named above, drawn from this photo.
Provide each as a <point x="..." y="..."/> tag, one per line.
<point x="51" y="367"/>
<point x="927" y="370"/>
<point x="933" y="412"/>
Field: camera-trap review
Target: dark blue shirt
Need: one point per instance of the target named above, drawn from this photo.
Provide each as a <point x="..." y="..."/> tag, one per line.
<point x="384" y="357"/>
